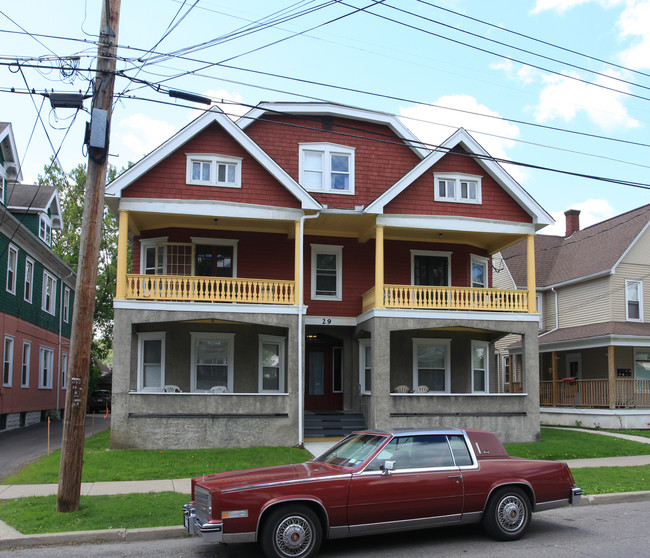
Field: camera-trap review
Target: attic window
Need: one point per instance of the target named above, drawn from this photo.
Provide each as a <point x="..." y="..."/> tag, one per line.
<point x="457" y="188"/>
<point x="45" y="229"/>
<point x="214" y="170"/>
<point x="327" y="167"/>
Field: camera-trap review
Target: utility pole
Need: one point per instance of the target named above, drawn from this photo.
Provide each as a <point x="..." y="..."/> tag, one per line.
<point x="74" y="423"/>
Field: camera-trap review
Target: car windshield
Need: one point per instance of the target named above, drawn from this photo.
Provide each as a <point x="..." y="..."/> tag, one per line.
<point x="353" y="450"/>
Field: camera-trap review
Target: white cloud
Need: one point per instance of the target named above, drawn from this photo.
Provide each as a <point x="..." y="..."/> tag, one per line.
<point x="563" y="98"/>
<point x="635" y="22"/>
<point x="591" y="212"/>
<point x="140" y="134"/>
<point x="565" y="5"/>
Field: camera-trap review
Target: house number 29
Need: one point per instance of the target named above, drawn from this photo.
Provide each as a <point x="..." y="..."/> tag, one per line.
<point x="327" y="321"/>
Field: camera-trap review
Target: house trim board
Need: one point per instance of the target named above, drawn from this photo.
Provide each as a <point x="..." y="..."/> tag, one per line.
<point x="626" y="251"/>
<point x="591" y="343"/>
<point x="455" y="223"/>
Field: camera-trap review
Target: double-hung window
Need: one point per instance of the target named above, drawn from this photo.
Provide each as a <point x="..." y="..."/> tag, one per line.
<point x="12" y="266"/>
<point x="214" y="170"/>
<point x="431" y="364"/>
<point x="8" y="361"/>
<point x="45" y="229"/>
<point x="46" y="368"/>
<point x="49" y="294"/>
<point x="327" y="167"/>
<point x="326" y="272"/>
<point x="271" y="363"/>
<point x="64" y="370"/>
<point x="151" y="361"/>
<point x="365" y="365"/>
<point x="66" y="305"/>
<point x="633" y="300"/>
<point x="29" y="279"/>
<point x="26" y="364"/>
<point x="458" y="188"/>
<point x="479" y="272"/>
<point x="480" y="366"/>
<point x="212" y="361"/>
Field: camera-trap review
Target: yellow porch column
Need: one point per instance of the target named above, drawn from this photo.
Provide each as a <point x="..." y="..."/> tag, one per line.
<point x="122" y="245"/>
<point x="296" y="263"/>
<point x="379" y="267"/>
<point x="530" y="261"/>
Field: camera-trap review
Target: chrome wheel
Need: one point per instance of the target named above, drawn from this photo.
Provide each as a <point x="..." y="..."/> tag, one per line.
<point x="511" y="513"/>
<point x="291" y="531"/>
<point x="293" y="536"/>
<point x="507" y="514"/>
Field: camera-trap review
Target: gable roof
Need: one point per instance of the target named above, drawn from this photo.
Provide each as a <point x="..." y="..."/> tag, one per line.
<point x="213" y="115"/>
<point x="587" y="253"/>
<point x="34" y="199"/>
<point x="463" y="139"/>
<point x="340" y="111"/>
<point x="11" y="165"/>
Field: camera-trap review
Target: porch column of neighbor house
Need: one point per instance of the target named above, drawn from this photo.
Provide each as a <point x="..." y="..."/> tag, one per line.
<point x="530" y="261"/>
<point x="122" y="245"/>
<point x="379" y="405"/>
<point x="379" y="267"/>
<point x="297" y="242"/>
<point x="611" y="375"/>
<point x="511" y="376"/>
<point x="556" y="386"/>
<point x="530" y="379"/>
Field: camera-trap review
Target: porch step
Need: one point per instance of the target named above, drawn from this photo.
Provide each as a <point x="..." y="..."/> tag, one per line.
<point x="332" y="423"/>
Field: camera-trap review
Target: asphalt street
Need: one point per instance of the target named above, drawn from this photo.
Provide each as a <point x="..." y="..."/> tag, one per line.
<point x="21" y="446"/>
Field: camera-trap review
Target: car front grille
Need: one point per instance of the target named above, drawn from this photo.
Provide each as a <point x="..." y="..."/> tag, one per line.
<point x="202" y="502"/>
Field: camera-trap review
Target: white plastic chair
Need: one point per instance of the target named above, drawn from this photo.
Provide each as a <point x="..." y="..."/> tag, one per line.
<point x="218" y="389"/>
<point x="172" y="389"/>
<point x="421" y="389"/>
<point x="402" y="389"/>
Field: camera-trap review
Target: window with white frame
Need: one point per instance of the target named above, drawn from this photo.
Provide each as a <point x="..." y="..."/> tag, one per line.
<point x="66" y="305"/>
<point x="458" y="188"/>
<point x="8" y="361"/>
<point x="49" y="294"/>
<point x="271" y="363"/>
<point x="365" y="366"/>
<point x="26" y="364"/>
<point x="633" y="300"/>
<point x="151" y="361"/>
<point x="29" y="279"/>
<point x="642" y="367"/>
<point x="12" y="266"/>
<point x="64" y="370"/>
<point x="431" y="364"/>
<point x="479" y="271"/>
<point x="212" y="361"/>
<point x="214" y="170"/>
<point x="480" y="367"/>
<point x="327" y="167"/>
<point x="153" y="256"/>
<point x="45" y="229"/>
<point x="46" y="368"/>
<point x="326" y="272"/>
<point x="2" y="189"/>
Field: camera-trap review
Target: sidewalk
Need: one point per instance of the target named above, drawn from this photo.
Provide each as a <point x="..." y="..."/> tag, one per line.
<point x="10" y="538"/>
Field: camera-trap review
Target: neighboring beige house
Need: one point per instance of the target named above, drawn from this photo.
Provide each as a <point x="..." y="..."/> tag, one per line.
<point x="594" y="342"/>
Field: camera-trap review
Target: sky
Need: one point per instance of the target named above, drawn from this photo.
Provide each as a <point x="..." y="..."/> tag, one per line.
<point x="559" y="88"/>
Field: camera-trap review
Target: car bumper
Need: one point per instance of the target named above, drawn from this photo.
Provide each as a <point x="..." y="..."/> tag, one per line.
<point x="210" y="532"/>
<point x="576" y="496"/>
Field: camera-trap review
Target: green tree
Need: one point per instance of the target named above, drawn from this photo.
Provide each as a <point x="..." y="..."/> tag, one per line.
<point x="65" y="244"/>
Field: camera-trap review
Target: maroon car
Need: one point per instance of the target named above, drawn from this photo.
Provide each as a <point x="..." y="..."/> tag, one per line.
<point x="374" y="482"/>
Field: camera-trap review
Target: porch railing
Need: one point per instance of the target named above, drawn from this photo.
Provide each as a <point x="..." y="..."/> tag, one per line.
<point x="209" y="289"/>
<point x="449" y="298"/>
<point x="628" y="393"/>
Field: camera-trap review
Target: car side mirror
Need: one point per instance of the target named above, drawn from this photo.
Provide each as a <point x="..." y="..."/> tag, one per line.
<point x="388" y="467"/>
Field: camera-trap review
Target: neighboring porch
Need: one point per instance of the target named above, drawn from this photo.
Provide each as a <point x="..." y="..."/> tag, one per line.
<point x="596" y="394"/>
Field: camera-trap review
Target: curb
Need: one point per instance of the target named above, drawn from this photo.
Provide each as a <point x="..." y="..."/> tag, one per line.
<point x="178" y="532"/>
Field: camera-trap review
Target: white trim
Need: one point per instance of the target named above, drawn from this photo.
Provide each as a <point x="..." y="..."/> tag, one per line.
<point x="457" y="179"/>
<point x="446" y="343"/>
<point x="431" y="253"/>
<point x="365" y="365"/>
<point x="455" y="223"/>
<point x="29" y="297"/>
<point x="206" y="307"/>
<point x="229" y="338"/>
<point x="25" y="364"/>
<point x="639" y="291"/>
<point x="42" y="361"/>
<point x="281" y="343"/>
<point x="485" y="263"/>
<point x="337" y="251"/>
<point x="8" y="360"/>
<point x="151" y="336"/>
<point x="214" y="115"/>
<point x="146" y="243"/>
<point x="486" y="371"/>
<point x="213" y="160"/>
<point x="327" y="150"/>
<point x="45" y="228"/>
<point x="11" y="288"/>
<point x="47" y="275"/>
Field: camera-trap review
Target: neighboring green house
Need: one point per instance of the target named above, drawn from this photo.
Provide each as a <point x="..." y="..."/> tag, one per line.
<point x="36" y="299"/>
<point x="594" y="341"/>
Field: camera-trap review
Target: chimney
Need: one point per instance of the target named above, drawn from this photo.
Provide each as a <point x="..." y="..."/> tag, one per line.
<point x="572" y="221"/>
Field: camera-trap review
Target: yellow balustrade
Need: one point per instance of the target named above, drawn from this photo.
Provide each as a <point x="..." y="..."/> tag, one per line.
<point x="449" y="298"/>
<point x="209" y="289"/>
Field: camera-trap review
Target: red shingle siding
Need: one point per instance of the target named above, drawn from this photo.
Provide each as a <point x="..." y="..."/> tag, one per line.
<point x="381" y="159"/>
<point x="167" y="180"/>
<point x="418" y="198"/>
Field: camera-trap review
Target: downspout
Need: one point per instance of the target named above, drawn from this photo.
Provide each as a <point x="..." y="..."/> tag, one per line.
<point x="301" y="339"/>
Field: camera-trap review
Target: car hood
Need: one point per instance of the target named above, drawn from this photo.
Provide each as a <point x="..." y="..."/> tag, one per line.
<point x="247" y="478"/>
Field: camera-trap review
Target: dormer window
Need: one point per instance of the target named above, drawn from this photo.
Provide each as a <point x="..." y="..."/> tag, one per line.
<point x="458" y="188"/>
<point x="214" y="170"/>
<point x="45" y="229"/>
<point x="327" y="167"/>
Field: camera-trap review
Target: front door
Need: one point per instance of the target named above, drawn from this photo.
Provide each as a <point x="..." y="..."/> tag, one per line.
<point x="323" y="377"/>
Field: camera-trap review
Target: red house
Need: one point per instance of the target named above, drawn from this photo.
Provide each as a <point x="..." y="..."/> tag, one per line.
<point x="315" y="258"/>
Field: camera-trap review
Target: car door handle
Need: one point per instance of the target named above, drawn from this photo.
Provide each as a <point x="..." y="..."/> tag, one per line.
<point x="455" y="477"/>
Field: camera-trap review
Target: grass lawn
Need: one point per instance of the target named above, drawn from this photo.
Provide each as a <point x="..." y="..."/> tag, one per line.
<point x="102" y="464"/>
<point x="561" y="444"/>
